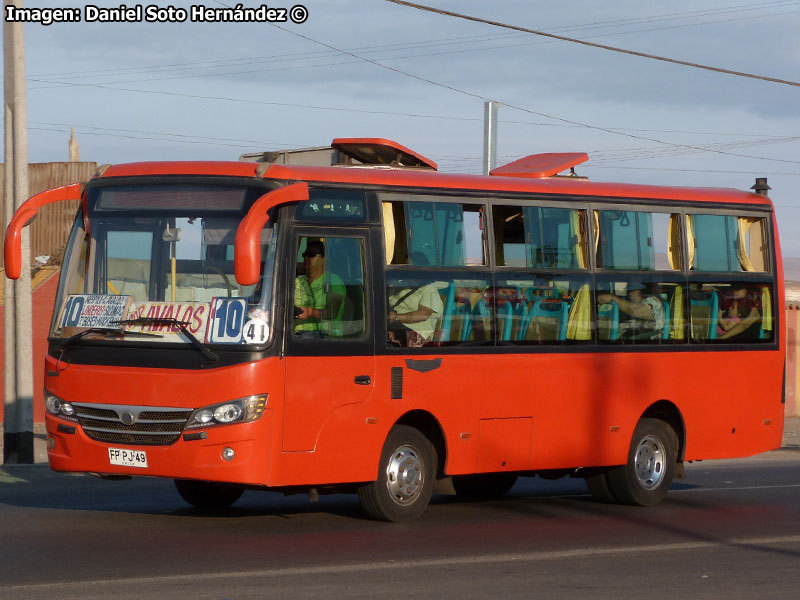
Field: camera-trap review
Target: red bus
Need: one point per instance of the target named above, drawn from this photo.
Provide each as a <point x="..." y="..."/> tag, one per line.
<point x="378" y="327"/>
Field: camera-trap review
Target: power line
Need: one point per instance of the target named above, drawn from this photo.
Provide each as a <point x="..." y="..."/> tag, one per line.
<point x="367" y="49"/>
<point x="433" y="43"/>
<point x="443" y="159"/>
<point x="407" y="114"/>
<point x="533" y="112"/>
<point x="726" y="172"/>
<point x="615" y="131"/>
<point x="684" y="63"/>
<point x="360" y="58"/>
<point x="163" y="136"/>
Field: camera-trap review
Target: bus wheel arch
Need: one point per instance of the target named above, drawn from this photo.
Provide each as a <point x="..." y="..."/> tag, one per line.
<point x="666" y="411"/>
<point x="430" y="427"/>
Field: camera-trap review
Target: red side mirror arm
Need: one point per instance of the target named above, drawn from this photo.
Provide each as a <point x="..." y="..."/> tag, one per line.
<point x="247" y="247"/>
<point x="24" y="215"/>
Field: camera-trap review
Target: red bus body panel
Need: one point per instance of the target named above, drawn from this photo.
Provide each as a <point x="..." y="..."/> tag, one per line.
<point x="563" y="410"/>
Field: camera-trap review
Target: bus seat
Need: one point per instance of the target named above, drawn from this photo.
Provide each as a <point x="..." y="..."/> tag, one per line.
<point x="459" y="315"/>
<point x="513" y="315"/>
<point x="608" y="322"/>
<point x="480" y="311"/>
<point x="703" y="309"/>
<point x="665" y="304"/>
<point x="549" y="313"/>
<point x="505" y="314"/>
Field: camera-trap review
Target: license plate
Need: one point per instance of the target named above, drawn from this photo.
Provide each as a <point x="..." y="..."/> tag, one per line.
<point x="127" y="458"/>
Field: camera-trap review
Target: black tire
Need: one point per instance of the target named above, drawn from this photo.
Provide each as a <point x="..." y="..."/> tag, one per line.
<point x="484" y="485"/>
<point x="598" y="488"/>
<point x="645" y="479"/>
<point x="208" y="494"/>
<point x="405" y="477"/>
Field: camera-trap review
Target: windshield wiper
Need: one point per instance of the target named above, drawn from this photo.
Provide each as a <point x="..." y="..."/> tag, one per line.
<point x="74" y="338"/>
<point x="206" y="351"/>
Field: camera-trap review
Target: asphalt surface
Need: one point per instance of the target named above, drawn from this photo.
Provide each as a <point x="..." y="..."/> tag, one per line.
<point x="730" y="528"/>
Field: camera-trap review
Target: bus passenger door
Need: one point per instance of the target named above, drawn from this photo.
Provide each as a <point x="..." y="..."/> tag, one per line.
<point x="329" y="341"/>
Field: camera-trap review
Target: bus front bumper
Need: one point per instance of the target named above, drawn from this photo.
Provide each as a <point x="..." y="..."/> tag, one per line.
<point x="237" y="453"/>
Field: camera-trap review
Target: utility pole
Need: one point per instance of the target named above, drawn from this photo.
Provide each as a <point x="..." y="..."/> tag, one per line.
<point x="18" y="343"/>
<point x="489" y="136"/>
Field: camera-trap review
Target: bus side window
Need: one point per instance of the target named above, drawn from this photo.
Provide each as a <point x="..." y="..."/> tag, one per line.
<point x="739" y="312"/>
<point x="637" y="241"/>
<point x="634" y="310"/>
<point x="420" y="231"/>
<point x="328" y="296"/>
<point x="428" y="310"/>
<point x="543" y="309"/>
<point x="539" y="237"/>
<point x="725" y="243"/>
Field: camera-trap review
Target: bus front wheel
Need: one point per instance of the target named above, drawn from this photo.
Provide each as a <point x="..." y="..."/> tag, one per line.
<point x="208" y="494"/>
<point x="405" y="477"/>
<point x="645" y="479"/>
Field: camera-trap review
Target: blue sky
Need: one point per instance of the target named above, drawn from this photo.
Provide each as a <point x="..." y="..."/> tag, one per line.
<point x="185" y="91"/>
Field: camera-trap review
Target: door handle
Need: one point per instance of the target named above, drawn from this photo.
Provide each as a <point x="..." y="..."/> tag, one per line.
<point x="363" y="380"/>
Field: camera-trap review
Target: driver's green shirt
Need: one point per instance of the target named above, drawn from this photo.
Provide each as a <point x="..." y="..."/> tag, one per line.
<point x="324" y="293"/>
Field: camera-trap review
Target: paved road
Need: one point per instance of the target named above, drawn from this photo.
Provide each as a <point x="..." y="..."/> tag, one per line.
<point x="731" y="528"/>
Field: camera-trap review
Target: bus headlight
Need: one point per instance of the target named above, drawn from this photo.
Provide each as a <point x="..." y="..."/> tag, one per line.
<point x="228" y="413"/>
<point x="58" y="408"/>
<point x="241" y="410"/>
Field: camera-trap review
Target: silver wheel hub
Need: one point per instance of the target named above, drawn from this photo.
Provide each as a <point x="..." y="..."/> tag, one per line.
<point x="649" y="462"/>
<point x="405" y="475"/>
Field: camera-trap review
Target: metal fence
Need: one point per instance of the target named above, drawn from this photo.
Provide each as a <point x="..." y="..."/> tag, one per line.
<point x="50" y="230"/>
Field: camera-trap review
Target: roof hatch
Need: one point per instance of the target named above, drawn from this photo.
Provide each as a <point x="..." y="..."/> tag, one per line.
<point x="539" y="166"/>
<point x="379" y="151"/>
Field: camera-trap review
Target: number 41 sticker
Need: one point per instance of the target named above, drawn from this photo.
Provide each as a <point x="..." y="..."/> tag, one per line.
<point x="256" y="331"/>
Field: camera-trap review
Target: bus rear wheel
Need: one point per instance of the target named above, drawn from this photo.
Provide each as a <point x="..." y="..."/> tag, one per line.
<point x="405" y="477"/>
<point x="484" y="485"/>
<point x="645" y="479"/>
<point x="208" y="494"/>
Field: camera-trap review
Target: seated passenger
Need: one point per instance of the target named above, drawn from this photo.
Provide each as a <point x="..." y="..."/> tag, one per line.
<point x="413" y="316"/>
<point x="643" y="313"/>
<point x="739" y="315"/>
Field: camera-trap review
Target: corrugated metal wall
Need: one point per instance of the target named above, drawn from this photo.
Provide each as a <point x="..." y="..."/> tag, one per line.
<point x="50" y="230"/>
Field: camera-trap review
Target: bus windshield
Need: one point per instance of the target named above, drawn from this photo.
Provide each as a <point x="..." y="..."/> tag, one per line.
<point x="156" y="263"/>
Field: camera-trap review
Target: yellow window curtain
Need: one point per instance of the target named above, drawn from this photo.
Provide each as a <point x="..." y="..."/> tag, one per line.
<point x="388" y="231"/>
<point x="745" y="223"/>
<point x="579" y="326"/>
<point x="766" y="309"/>
<point x="690" y="239"/>
<point x="674" y="248"/>
<point x="576" y="226"/>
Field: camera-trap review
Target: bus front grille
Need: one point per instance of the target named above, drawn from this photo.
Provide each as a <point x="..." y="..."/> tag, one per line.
<point x="136" y="425"/>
